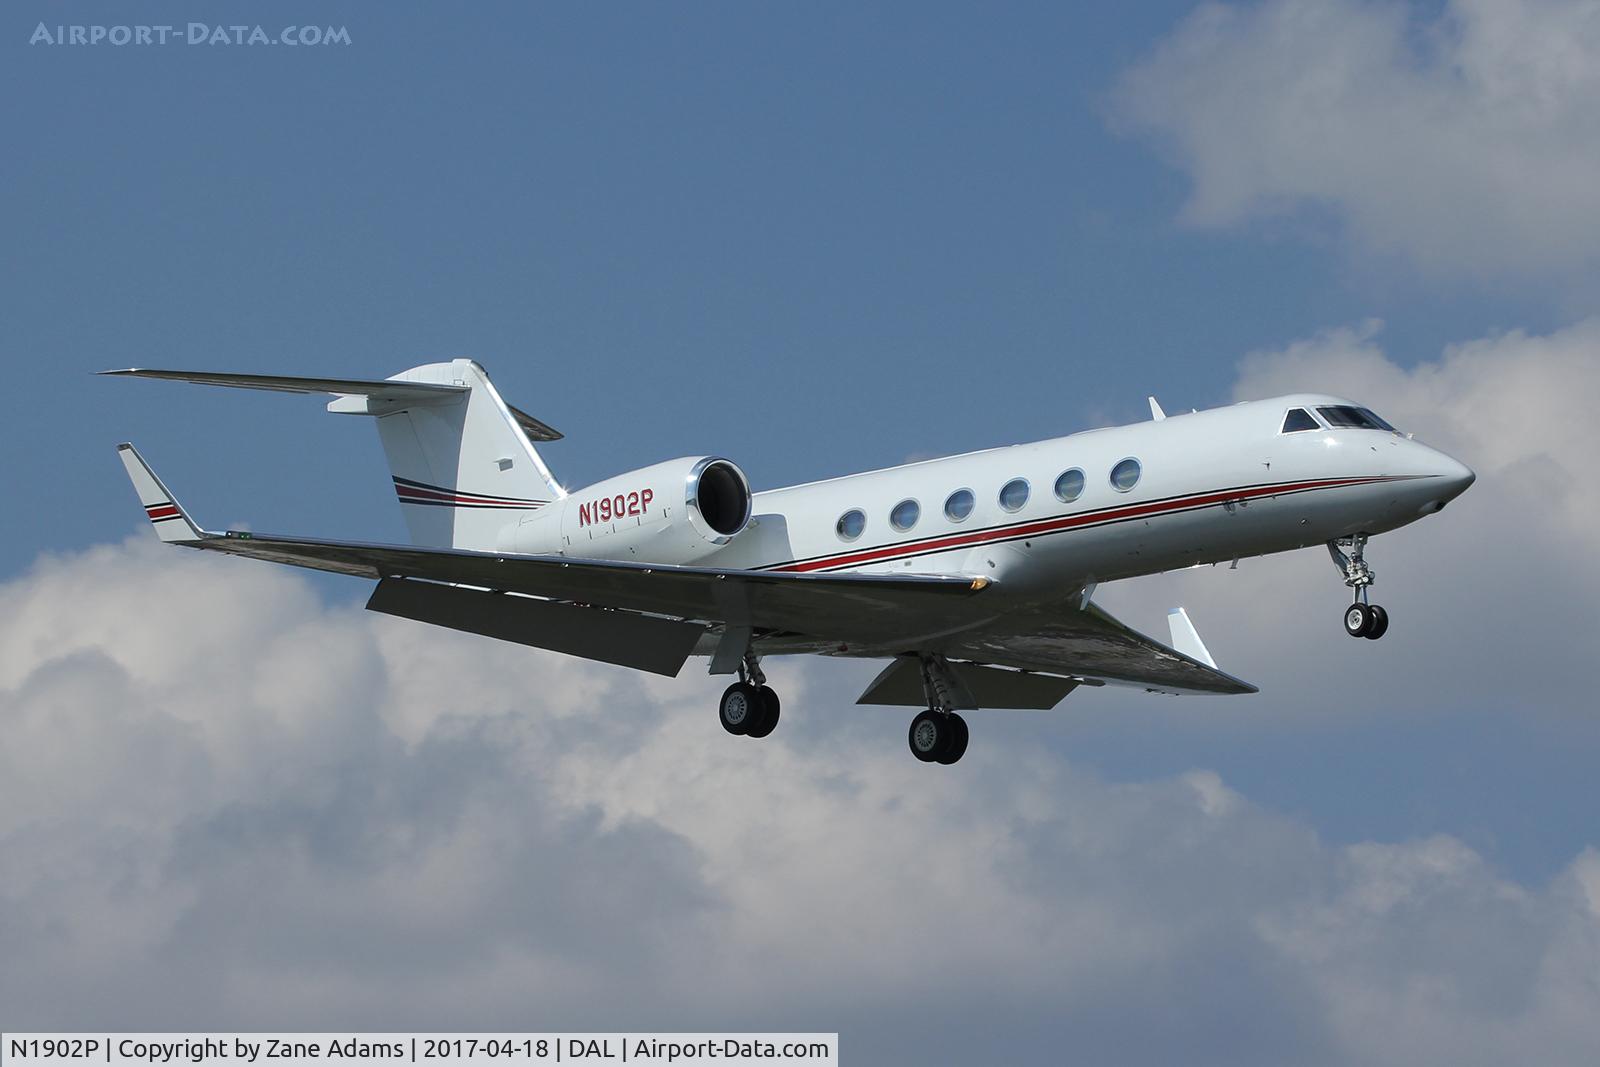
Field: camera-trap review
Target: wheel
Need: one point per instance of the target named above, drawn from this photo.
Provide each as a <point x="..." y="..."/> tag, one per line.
<point x="766" y="717"/>
<point x="1357" y="620"/>
<point x="955" y="744"/>
<point x="928" y="731"/>
<point x="739" y="707"/>
<point x="1380" y="623"/>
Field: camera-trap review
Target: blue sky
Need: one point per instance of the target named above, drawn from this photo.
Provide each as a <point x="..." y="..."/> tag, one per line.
<point x="833" y="223"/>
<point x="819" y="238"/>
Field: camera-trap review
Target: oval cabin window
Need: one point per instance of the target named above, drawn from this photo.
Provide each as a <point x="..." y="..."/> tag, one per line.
<point x="1069" y="486"/>
<point x="850" y="524"/>
<point x="958" y="505"/>
<point x="1125" y="475"/>
<point x="1014" y="494"/>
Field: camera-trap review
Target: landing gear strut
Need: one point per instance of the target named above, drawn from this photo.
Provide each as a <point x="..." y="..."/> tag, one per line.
<point x="1361" y="618"/>
<point x="749" y="707"/>
<point x="938" y="735"/>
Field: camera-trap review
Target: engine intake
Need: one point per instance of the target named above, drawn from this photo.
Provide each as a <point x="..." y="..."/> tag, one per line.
<point x="719" y="498"/>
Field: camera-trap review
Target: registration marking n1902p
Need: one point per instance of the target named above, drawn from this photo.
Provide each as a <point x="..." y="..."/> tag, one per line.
<point x="611" y="508"/>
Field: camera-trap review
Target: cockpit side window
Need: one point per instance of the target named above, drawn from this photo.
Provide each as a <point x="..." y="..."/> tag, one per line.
<point x="1342" y="417"/>
<point x="1299" y="419"/>
<point x="1382" y="425"/>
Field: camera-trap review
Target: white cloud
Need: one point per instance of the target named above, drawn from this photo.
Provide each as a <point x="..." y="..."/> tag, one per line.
<point x="352" y="821"/>
<point x="226" y="803"/>
<point x="1465" y="142"/>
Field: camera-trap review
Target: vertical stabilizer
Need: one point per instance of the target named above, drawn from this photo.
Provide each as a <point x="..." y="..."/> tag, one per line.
<point x="464" y="469"/>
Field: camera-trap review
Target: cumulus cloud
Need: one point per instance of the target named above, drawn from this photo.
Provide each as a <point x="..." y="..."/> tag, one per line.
<point x="226" y="803"/>
<point x="1465" y="141"/>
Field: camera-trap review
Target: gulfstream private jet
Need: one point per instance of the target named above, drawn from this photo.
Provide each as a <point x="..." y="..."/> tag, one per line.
<point x="973" y="575"/>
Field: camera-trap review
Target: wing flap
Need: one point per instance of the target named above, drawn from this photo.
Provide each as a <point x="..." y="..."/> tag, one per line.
<point x="900" y="685"/>
<point x="1092" y="645"/>
<point x="643" y="642"/>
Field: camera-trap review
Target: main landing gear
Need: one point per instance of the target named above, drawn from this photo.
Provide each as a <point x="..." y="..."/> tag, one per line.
<point x="938" y="735"/>
<point x="1361" y="619"/>
<point x="749" y="707"/>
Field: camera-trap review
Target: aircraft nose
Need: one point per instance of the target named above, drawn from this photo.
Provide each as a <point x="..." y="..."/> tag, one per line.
<point x="1457" y="476"/>
<point x="1450" y="478"/>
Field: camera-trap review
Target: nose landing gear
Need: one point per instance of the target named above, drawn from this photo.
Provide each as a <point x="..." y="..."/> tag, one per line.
<point x="1361" y="618"/>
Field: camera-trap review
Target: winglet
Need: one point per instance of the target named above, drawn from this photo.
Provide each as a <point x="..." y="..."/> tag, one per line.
<point x="172" y="523"/>
<point x="1155" y="409"/>
<point x="1186" y="639"/>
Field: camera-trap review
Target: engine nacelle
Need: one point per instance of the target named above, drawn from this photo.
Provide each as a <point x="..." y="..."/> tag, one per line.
<point x="680" y="512"/>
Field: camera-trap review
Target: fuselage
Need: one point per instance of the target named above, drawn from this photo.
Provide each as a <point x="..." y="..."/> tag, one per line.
<point x="1202" y="487"/>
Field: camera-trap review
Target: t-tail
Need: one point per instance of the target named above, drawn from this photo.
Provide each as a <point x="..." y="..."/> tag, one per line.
<point x="464" y="464"/>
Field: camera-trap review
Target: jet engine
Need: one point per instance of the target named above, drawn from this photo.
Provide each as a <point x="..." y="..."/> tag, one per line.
<point x="679" y="512"/>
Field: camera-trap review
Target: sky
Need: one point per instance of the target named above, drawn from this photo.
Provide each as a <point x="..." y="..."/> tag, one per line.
<point x="812" y="238"/>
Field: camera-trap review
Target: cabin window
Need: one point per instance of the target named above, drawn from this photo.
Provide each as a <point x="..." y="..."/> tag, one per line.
<point x="850" y="524"/>
<point x="1125" y="475"/>
<point x="958" y="505"/>
<point x="1014" y="494"/>
<point x="1345" y="417"/>
<point x="1069" y="486"/>
<point x="1299" y="419"/>
<point x="905" y="515"/>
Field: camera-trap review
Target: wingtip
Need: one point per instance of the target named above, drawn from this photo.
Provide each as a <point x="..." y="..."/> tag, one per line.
<point x="173" y="524"/>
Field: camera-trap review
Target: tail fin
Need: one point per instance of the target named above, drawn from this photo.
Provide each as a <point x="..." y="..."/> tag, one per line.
<point x="463" y="461"/>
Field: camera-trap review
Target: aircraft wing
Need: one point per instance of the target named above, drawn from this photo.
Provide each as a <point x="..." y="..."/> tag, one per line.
<point x="759" y="599"/>
<point x="416" y="582"/>
<point x="1092" y="645"/>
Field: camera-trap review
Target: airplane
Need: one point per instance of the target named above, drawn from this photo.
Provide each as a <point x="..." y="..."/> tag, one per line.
<point x="973" y="575"/>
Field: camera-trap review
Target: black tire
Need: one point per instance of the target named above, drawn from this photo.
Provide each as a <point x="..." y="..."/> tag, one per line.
<point x="1357" y="619"/>
<point x="739" y="707"/>
<point x="955" y="743"/>
<point x="766" y="719"/>
<point x="1380" y="624"/>
<point x="927" y="735"/>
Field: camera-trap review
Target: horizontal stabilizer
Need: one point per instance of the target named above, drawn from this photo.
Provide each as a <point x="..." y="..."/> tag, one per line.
<point x="367" y="396"/>
<point x="171" y="522"/>
<point x="1186" y="639"/>
<point x="976" y="686"/>
<point x="643" y="642"/>
<point x="384" y="389"/>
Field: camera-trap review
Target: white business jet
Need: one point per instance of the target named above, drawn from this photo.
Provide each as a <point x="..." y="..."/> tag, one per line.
<point x="974" y="574"/>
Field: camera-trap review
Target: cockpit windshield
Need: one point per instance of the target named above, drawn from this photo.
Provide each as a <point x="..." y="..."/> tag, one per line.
<point x="1342" y="417"/>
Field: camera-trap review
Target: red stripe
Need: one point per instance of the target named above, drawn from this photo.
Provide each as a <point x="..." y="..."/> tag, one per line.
<point x="413" y="492"/>
<point x="162" y="511"/>
<point x="1066" y="522"/>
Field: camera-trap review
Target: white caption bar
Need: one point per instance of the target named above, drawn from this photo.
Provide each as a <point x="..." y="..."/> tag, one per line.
<point x="429" y="1050"/>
